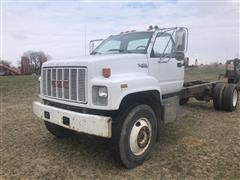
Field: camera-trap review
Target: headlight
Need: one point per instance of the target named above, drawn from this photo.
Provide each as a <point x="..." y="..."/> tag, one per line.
<point x="100" y="95"/>
<point x="102" y="92"/>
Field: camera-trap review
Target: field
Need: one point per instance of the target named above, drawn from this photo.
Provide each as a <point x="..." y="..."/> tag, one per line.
<point x="201" y="144"/>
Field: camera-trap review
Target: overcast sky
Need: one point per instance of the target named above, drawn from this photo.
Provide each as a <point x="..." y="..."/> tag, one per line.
<point x="57" y="28"/>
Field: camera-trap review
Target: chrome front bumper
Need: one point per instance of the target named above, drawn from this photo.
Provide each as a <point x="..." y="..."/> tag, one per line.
<point x="85" y="123"/>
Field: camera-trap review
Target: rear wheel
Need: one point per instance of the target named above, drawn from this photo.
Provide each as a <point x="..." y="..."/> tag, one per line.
<point x="232" y="81"/>
<point x="218" y="96"/>
<point x="230" y="98"/>
<point x="183" y="101"/>
<point x="134" y="136"/>
<point x="58" y="131"/>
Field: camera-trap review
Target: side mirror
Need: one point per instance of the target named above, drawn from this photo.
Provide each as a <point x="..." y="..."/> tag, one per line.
<point x="179" y="56"/>
<point x="181" y="38"/>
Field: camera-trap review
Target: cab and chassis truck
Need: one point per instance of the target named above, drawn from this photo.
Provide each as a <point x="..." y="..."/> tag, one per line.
<point x="124" y="91"/>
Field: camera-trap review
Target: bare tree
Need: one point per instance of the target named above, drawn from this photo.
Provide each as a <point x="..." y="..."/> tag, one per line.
<point x="36" y="58"/>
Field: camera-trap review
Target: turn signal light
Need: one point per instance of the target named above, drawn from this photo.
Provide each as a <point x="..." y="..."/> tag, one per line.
<point x="106" y="72"/>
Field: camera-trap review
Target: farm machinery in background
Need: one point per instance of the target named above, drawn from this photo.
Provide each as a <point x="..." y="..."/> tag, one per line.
<point x="26" y="68"/>
<point x="233" y="71"/>
<point x="6" y="70"/>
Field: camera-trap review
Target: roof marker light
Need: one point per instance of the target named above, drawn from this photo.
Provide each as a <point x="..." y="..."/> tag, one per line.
<point x="150" y="28"/>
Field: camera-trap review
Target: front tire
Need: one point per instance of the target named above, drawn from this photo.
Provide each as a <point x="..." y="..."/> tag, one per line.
<point x="134" y="135"/>
<point x="58" y="131"/>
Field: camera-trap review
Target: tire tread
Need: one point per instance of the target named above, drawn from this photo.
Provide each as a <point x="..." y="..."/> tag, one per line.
<point x="218" y="96"/>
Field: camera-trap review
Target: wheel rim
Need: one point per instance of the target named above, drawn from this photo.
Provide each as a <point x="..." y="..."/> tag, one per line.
<point x="140" y="136"/>
<point x="235" y="98"/>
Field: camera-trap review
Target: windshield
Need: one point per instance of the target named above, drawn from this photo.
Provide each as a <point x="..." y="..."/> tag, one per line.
<point x="125" y="43"/>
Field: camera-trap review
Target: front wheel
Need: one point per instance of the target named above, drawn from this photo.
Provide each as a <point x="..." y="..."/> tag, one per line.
<point x="134" y="136"/>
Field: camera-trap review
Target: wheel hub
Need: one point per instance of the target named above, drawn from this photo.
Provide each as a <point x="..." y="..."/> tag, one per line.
<point x="140" y="136"/>
<point x="235" y="98"/>
<point x="143" y="137"/>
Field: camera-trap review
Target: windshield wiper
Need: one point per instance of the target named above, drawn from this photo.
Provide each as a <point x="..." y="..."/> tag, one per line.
<point x="94" y="52"/>
<point x="119" y="50"/>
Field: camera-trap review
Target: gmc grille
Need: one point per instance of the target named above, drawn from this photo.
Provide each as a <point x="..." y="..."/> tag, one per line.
<point x="64" y="83"/>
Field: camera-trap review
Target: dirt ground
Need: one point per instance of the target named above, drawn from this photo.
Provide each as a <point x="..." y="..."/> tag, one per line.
<point x="201" y="144"/>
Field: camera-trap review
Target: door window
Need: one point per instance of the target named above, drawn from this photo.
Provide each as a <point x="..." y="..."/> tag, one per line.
<point x="163" y="46"/>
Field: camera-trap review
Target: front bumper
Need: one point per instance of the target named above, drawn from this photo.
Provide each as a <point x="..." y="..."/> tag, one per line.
<point x="85" y="123"/>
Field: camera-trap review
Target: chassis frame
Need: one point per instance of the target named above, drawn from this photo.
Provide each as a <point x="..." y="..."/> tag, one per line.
<point x="203" y="90"/>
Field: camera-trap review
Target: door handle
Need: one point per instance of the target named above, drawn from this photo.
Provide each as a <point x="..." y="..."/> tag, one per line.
<point x="162" y="61"/>
<point x="180" y="64"/>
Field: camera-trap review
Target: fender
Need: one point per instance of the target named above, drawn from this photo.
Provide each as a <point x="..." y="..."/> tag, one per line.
<point x="132" y="82"/>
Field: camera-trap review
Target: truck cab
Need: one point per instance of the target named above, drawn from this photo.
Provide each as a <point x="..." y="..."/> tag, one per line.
<point x="118" y="92"/>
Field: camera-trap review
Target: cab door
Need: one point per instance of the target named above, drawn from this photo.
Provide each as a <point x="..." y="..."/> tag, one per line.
<point x="163" y="65"/>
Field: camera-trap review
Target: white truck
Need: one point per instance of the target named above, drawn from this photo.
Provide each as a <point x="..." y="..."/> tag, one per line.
<point x="123" y="91"/>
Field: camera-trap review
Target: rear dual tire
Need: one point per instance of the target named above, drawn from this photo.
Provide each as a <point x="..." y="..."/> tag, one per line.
<point x="225" y="97"/>
<point x="183" y="100"/>
<point x="230" y="98"/>
<point x="218" y="97"/>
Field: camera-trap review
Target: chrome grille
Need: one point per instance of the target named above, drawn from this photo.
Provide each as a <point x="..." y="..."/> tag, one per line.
<point x="49" y="82"/>
<point x="64" y="83"/>
<point x="54" y="89"/>
<point x="59" y="89"/>
<point x="74" y="84"/>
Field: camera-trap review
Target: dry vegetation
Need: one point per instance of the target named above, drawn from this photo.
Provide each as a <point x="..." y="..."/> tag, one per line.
<point x="201" y="144"/>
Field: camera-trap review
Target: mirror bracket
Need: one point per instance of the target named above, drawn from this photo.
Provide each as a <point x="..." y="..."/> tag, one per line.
<point x="179" y="56"/>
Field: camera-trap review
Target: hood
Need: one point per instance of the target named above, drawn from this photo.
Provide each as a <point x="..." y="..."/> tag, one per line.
<point x="119" y="63"/>
<point x="91" y="59"/>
